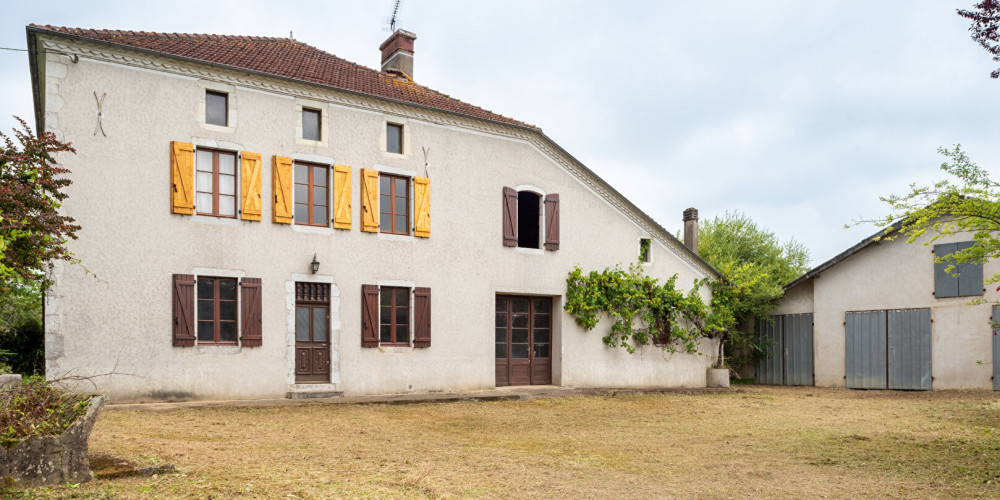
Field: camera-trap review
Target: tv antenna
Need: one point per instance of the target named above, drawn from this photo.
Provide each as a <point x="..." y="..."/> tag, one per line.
<point x="389" y="23"/>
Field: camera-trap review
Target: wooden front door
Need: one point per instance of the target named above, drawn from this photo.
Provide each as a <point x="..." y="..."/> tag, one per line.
<point x="312" y="331"/>
<point x="523" y="340"/>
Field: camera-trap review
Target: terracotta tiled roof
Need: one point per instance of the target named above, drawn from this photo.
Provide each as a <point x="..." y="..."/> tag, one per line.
<point x="288" y="58"/>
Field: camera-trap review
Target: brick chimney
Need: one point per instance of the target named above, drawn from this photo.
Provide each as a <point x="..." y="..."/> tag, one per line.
<point x="691" y="229"/>
<point x="397" y="53"/>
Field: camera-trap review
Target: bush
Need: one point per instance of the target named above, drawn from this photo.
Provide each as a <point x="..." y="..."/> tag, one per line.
<point x="37" y="408"/>
<point x="22" y="337"/>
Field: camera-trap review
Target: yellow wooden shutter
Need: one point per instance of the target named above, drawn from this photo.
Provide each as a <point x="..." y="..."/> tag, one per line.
<point x="250" y="174"/>
<point x="341" y="197"/>
<point x="181" y="178"/>
<point x="422" y="207"/>
<point x="369" y="200"/>
<point x="282" y="190"/>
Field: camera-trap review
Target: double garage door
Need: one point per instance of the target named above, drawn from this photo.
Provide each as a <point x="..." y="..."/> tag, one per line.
<point x="888" y="349"/>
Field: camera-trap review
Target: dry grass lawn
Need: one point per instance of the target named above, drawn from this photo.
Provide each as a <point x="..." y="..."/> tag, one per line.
<point x="750" y="443"/>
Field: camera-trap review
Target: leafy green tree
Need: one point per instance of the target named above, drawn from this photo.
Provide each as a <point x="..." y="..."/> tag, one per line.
<point x="968" y="203"/>
<point x="757" y="265"/>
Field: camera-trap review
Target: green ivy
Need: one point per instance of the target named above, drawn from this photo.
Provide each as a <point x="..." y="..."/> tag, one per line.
<point x="643" y="310"/>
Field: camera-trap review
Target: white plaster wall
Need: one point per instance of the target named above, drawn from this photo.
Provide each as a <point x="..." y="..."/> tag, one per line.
<point x="797" y="300"/>
<point x="119" y="318"/>
<point x="897" y="275"/>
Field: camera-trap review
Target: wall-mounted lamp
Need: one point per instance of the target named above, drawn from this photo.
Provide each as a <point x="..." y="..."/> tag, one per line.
<point x="315" y="264"/>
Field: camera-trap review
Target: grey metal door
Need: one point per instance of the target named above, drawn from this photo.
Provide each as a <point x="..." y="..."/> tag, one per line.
<point x="789" y="341"/>
<point x="770" y="368"/>
<point x="797" y="346"/>
<point x="996" y="348"/>
<point x="866" y="349"/>
<point x="888" y="349"/>
<point x="910" y="349"/>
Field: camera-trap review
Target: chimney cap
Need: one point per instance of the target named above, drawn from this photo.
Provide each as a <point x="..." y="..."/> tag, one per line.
<point x="396" y="34"/>
<point x="691" y="214"/>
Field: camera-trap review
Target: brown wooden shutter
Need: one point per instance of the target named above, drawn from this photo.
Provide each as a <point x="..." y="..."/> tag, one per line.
<point x="422" y="207"/>
<point x="369" y="315"/>
<point x="509" y="217"/>
<point x="183" y="309"/>
<point x="552" y="222"/>
<point x="421" y="317"/>
<point x="181" y="178"/>
<point x="282" y="180"/>
<point x="342" y="197"/>
<point x="250" y="313"/>
<point x="369" y="200"/>
<point x="250" y="176"/>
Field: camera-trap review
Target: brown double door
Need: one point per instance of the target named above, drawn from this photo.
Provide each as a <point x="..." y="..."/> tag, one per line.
<point x="312" y="329"/>
<point x="523" y="340"/>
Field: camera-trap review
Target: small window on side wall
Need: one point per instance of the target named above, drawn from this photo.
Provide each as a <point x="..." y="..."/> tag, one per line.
<point x="216" y="108"/>
<point x="311" y="124"/>
<point x="394" y="138"/>
<point x="644" y="249"/>
<point x="964" y="280"/>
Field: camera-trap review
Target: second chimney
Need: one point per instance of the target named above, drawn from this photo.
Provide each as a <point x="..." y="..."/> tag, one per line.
<point x="691" y="229"/>
<point x="397" y="53"/>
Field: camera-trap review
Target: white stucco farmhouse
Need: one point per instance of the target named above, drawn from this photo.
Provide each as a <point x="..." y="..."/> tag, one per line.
<point x="263" y="219"/>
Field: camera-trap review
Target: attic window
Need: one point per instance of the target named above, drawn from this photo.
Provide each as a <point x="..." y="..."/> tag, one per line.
<point x="644" y="250"/>
<point x="528" y="204"/>
<point x="394" y="138"/>
<point x="216" y="108"/>
<point x="310" y="124"/>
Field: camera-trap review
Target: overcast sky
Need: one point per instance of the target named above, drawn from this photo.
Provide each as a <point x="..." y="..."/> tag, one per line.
<point x="800" y="114"/>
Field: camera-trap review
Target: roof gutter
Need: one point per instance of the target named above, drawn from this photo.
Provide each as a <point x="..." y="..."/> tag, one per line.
<point x="36" y="94"/>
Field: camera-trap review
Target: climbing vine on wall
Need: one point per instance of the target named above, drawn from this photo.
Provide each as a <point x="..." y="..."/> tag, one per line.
<point x="645" y="311"/>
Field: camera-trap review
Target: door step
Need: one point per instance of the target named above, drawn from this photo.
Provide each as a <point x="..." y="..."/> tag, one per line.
<point x="311" y="391"/>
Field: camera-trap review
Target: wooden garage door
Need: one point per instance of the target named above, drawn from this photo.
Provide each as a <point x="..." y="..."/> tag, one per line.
<point x="523" y="340"/>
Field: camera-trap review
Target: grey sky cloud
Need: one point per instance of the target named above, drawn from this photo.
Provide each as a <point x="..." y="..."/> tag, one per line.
<point x="800" y="114"/>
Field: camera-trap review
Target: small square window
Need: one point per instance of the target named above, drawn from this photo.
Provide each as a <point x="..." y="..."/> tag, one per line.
<point x="217" y="108"/>
<point x="644" y="250"/>
<point x="394" y="138"/>
<point x="310" y="124"/>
